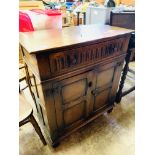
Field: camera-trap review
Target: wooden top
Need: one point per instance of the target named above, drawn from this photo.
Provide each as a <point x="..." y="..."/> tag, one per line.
<point x="124" y="12"/>
<point x="44" y="40"/>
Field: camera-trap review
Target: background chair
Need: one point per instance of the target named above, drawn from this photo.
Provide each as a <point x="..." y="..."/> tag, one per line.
<point x="26" y="116"/>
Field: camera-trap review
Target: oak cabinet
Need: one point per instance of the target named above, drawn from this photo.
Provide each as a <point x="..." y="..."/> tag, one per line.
<point x="77" y="73"/>
<point x="78" y="97"/>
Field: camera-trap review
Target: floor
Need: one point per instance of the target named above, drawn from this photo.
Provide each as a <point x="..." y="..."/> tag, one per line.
<point x="110" y="134"/>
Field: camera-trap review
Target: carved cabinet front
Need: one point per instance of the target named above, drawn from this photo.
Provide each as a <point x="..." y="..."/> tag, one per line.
<point x="80" y="96"/>
<point x="72" y="99"/>
<point x="76" y="74"/>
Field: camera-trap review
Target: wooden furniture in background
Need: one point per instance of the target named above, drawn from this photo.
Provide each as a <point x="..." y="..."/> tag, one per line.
<point x="26" y="116"/>
<point x="81" y="20"/>
<point x="125" y="20"/>
<point x="22" y="76"/>
<point x="25" y="76"/>
<point x="126" y="69"/>
<point x="77" y="72"/>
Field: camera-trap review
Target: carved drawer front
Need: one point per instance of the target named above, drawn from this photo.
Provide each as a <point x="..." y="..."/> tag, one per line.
<point x="88" y="54"/>
<point x="72" y="99"/>
<point x="104" y="81"/>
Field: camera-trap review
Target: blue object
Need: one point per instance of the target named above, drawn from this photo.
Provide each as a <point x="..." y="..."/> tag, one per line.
<point x="69" y="5"/>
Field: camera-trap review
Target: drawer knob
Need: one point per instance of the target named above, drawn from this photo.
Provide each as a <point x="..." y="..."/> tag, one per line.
<point x="90" y="84"/>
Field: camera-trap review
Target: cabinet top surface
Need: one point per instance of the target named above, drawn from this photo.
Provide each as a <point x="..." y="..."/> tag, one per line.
<point x="44" y="40"/>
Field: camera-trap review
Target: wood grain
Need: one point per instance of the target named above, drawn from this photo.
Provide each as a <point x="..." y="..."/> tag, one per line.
<point x="77" y="72"/>
<point x="44" y="40"/>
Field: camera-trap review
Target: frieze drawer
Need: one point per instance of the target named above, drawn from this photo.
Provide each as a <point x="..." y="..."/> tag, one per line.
<point x="84" y="55"/>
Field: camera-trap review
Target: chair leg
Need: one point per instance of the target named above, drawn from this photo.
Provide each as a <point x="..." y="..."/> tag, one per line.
<point x="37" y="129"/>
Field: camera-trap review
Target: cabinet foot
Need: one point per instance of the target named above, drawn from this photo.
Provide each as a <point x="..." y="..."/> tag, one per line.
<point x="55" y="144"/>
<point x="110" y="110"/>
<point x="118" y="98"/>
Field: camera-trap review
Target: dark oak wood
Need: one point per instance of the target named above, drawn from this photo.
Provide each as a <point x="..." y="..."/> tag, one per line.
<point x="123" y="19"/>
<point x="123" y="77"/>
<point x="76" y="73"/>
<point x="50" y="40"/>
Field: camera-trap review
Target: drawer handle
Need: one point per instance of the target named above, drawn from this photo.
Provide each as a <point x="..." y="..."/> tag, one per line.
<point x="90" y="84"/>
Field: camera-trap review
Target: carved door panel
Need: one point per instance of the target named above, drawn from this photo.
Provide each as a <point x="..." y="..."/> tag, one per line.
<point x="72" y="99"/>
<point x="105" y="87"/>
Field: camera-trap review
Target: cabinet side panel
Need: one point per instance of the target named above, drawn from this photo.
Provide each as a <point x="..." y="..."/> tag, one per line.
<point x="46" y="97"/>
<point x="43" y="66"/>
<point x="116" y="80"/>
<point x="31" y="61"/>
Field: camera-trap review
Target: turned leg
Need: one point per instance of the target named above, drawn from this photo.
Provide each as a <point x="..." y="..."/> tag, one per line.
<point x="37" y="129"/>
<point x="124" y="73"/>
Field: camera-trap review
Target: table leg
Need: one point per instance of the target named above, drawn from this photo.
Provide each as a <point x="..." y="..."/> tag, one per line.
<point x="124" y="73"/>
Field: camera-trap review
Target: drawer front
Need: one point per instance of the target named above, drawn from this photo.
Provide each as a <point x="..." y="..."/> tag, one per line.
<point x="78" y="57"/>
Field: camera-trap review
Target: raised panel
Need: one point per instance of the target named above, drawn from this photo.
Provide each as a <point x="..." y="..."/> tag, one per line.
<point x="74" y="90"/>
<point x="104" y="77"/>
<point x="123" y="19"/>
<point x="72" y="99"/>
<point x="101" y="99"/>
<point x="75" y="113"/>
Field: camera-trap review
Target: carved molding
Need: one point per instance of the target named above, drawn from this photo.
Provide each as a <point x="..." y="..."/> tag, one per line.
<point x="66" y="59"/>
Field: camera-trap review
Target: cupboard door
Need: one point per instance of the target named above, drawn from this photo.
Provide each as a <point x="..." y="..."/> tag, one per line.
<point x="105" y="87"/>
<point x="72" y="99"/>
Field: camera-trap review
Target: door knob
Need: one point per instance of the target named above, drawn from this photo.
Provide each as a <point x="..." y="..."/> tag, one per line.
<point x="90" y="84"/>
